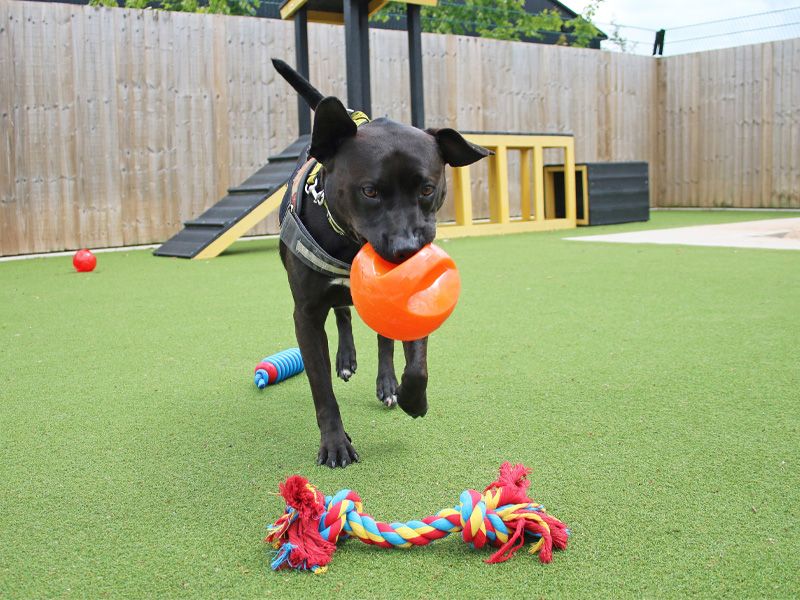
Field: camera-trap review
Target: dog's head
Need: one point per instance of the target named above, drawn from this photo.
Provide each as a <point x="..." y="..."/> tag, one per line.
<point x="385" y="181"/>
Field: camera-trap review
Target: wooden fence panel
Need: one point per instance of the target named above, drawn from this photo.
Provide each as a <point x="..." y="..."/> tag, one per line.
<point x="9" y="228"/>
<point x="729" y="128"/>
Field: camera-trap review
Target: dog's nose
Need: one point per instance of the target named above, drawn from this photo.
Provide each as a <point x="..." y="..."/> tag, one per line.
<point x="402" y="250"/>
<point x="401" y="255"/>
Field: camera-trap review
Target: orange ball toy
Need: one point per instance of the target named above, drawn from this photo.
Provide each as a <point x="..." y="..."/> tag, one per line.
<point x="407" y="301"/>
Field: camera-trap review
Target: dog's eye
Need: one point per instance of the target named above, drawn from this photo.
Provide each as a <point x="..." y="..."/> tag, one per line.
<point x="428" y="189"/>
<point x="369" y="191"/>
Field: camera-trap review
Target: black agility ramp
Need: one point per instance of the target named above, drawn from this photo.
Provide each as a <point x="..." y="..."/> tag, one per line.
<point x="245" y="206"/>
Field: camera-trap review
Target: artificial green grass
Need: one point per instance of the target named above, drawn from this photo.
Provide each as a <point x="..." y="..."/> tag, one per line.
<point x="653" y="389"/>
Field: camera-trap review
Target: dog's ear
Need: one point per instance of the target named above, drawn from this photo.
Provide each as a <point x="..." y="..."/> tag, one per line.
<point x="455" y="150"/>
<point x="332" y="125"/>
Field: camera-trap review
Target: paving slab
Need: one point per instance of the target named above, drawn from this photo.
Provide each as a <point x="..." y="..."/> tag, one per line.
<point x="773" y="234"/>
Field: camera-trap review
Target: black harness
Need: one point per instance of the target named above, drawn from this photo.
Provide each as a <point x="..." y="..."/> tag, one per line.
<point x="295" y="235"/>
<point x="304" y="181"/>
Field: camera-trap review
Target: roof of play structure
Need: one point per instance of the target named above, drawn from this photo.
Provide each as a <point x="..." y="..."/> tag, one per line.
<point x="332" y="11"/>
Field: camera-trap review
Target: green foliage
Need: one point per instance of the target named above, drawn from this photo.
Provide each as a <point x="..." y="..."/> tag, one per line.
<point x="181" y="5"/>
<point x="617" y="39"/>
<point x="499" y="19"/>
<point x="138" y="4"/>
<point x="581" y="27"/>
<point x="224" y="7"/>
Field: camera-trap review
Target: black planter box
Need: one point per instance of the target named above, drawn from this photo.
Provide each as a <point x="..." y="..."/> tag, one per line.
<point x="606" y="193"/>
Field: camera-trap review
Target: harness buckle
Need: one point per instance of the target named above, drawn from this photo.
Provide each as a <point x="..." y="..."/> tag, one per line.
<point x="318" y="196"/>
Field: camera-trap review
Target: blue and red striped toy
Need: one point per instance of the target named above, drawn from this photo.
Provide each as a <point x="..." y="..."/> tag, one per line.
<point x="277" y="367"/>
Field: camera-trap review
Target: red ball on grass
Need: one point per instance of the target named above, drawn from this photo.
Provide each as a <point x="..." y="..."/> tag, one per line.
<point x="84" y="261"/>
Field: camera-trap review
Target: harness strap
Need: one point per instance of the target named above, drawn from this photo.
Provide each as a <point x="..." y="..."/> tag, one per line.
<point x="318" y="197"/>
<point x="297" y="238"/>
<point x="296" y="187"/>
<point x="295" y="235"/>
<point x="302" y="245"/>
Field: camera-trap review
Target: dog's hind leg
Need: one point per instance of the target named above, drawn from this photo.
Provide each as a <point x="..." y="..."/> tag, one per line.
<point x="386" y="384"/>
<point x="412" y="396"/>
<point x="346" y="353"/>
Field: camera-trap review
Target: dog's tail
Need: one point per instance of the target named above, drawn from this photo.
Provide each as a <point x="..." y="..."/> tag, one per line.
<point x="309" y="93"/>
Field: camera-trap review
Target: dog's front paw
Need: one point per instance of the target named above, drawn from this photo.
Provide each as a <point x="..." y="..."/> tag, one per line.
<point x="346" y="363"/>
<point x="386" y="390"/>
<point x="412" y="396"/>
<point x="336" y="450"/>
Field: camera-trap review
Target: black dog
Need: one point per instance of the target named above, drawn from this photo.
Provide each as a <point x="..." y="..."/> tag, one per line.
<point x="381" y="182"/>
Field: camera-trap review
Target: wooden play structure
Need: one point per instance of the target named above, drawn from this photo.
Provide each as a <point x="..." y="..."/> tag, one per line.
<point x="544" y="205"/>
<point x="533" y="198"/>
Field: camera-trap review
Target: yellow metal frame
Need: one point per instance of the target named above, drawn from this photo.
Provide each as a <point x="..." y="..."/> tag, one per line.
<point x="535" y="184"/>
<point x="550" y="195"/>
<point x="336" y="18"/>
<point x="241" y="227"/>
<point x="531" y="148"/>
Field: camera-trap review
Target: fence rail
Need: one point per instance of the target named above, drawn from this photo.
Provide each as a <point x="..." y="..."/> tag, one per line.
<point x="117" y="125"/>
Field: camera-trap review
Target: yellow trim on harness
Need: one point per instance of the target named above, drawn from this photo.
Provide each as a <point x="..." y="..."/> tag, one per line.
<point x="312" y="177"/>
<point x="359" y="118"/>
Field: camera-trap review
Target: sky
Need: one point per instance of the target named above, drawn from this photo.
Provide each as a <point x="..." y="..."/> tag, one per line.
<point x="671" y="14"/>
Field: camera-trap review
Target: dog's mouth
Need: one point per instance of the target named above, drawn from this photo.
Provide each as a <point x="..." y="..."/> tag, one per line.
<point x="398" y="252"/>
<point x="394" y="258"/>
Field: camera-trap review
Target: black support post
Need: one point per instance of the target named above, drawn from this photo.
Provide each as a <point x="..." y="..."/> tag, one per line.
<point x="301" y="61"/>
<point x="356" y="38"/>
<point x="363" y="27"/>
<point x="414" y="26"/>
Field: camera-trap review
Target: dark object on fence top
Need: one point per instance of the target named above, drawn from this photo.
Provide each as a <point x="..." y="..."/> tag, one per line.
<point x="332" y="11"/>
<point x="658" y="44"/>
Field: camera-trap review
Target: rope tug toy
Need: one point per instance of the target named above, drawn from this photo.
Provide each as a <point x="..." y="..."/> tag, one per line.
<point x="274" y="369"/>
<point x="305" y="536"/>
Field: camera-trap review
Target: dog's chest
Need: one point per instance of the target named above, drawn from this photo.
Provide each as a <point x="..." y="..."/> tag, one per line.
<point x="338" y="292"/>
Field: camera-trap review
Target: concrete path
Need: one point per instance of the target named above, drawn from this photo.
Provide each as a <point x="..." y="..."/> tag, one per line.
<point x="774" y="234"/>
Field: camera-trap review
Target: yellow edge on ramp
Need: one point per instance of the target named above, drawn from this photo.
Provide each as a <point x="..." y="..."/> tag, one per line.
<point x="250" y="220"/>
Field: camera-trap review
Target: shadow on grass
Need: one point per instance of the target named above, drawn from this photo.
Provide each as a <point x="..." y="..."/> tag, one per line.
<point x="253" y="246"/>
